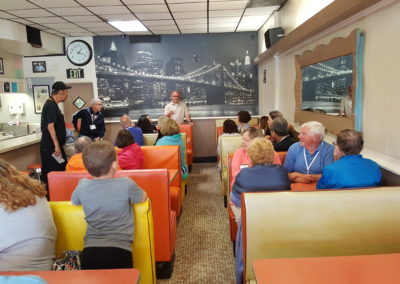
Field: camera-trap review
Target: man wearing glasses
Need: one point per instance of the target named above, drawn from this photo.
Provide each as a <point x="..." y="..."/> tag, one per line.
<point x="90" y="121"/>
<point x="176" y="109"/>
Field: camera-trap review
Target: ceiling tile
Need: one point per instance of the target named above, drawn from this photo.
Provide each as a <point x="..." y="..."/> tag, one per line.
<point x="158" y="23"/>
<point x="185" y="1"/>
<point x="22" y="21"/>
<point x="50" y="31"/>
<point x="138" y="33"/>
<point x="61" y="25"/>
<point x="31" y="13"/>
<point x="94" y="25"/>
<point x="164" y="28"/>
<point x="223" y="25"/>
<point x="260" y="11"/>
<point x="190" y="15"/>
<point x="109" y="10"/>
<point x="224" y="20"/>
<point x="226" y="13"/>
<point x="149" y="8"/>
<point x="167" y="32"/>
<point x="155" y="16"/>
<point x="70" y="30"/>
<point x="105" y="29"/>
<point x="82" y="19"/>
<point x="136" y="2"/>
<point x="13" y="4"/>
<point x="74" y="11"/>
<point x="5" y="15"/>
<point x="82" y="34"/>
<point x="47" y="20"/>
<point x="99" y="2"/>
<point x="192" y="21"/>
<point x="193" y="27"/>
<point x="122" y="17"/>
<point x="225" y="5"/>
<point x="55" y="3"/>
<point x="108" y="33"/>
<point x="188" y="7"/>
<point x="40" y="27"/>
<point x="221" y="30"/>
<point x="194" y="31"/>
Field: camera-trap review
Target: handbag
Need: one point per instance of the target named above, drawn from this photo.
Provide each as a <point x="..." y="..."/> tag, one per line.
<point x="69" y="260"/>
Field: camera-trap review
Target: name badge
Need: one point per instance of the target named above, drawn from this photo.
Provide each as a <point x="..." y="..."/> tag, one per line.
<point x="92" y="127"/>
<point x="243" y="166"/>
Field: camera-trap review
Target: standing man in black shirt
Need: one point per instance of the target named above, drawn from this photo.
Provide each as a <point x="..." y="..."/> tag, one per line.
<point x="53" y="131"/>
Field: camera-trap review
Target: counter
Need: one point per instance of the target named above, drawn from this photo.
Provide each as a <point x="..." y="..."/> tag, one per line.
<point x="18" y="142"/>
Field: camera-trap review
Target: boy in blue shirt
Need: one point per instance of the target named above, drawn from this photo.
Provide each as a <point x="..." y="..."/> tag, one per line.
<point x="107" y="203"/>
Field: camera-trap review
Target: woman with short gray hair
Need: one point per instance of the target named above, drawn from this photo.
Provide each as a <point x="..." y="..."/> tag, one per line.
<point x="90" y="121"/>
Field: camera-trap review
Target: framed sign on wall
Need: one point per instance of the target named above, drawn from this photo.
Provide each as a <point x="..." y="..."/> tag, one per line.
<point x="40" y="95"/>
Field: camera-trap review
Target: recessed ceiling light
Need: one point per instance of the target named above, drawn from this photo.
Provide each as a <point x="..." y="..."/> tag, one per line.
<point x="128" y="26"/>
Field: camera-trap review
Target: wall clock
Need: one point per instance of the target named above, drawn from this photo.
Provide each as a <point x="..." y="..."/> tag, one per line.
<point x="79" y="52"/>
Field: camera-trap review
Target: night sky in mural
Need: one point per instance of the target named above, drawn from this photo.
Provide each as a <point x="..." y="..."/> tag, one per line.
<point x="214" y="73"/>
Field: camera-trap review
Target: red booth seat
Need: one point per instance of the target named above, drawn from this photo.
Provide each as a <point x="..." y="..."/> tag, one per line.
<point x="187" y="128"/>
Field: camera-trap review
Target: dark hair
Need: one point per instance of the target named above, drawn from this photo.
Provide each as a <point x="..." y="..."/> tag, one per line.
<point x="264" y="122"/>
<point x="124" y="139"/>
<point x="244" y="116"/>
<point x="145" y="124"/>
<point x="350" y="142"/>
<point x="280" y="126"/>
<point x="98" y="158"/>
<point x="229" y="126"/>
<point x="275" y="113"/>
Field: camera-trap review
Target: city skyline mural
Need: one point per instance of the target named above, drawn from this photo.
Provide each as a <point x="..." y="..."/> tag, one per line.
<point x="213" y="72"/>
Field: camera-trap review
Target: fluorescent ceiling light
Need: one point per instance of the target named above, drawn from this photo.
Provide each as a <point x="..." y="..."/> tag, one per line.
<point x="128" y="26"/>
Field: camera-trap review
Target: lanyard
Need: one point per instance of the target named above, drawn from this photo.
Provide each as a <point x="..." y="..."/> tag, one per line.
<point x="308" y="166"/>
<point x="92" y="116"/>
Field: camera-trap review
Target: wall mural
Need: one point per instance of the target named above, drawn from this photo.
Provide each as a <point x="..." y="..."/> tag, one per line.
<point x="214" y="73"/>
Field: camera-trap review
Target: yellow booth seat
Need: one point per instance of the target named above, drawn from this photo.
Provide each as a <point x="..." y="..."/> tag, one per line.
<point x="229" y="144"/>
<point x="71" y="227"/>
<point x="149" y="139"/>
<point x="319" y="223"/>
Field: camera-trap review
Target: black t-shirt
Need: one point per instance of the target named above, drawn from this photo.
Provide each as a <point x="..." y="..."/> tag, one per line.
<point x="52" y="114"/>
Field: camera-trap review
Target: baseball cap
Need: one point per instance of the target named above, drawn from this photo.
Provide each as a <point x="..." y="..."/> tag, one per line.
<point x="59" y="86"/>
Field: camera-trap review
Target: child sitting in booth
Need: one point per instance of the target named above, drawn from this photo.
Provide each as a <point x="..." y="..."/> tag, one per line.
<point x="107" y="203"/>
<point x="130" y="155"/>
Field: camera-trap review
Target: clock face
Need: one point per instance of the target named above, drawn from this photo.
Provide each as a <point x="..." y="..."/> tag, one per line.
<point x="79" y="52"/>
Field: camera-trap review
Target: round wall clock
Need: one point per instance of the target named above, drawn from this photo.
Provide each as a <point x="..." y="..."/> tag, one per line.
<point x="79" y="52"/>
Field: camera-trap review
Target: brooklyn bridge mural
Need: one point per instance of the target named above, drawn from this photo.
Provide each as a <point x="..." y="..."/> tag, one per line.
<point x="214" y="73"/>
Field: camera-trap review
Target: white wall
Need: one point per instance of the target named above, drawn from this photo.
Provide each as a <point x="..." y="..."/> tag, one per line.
<point x="381" y="72"/>
<point x="57" y="66"/>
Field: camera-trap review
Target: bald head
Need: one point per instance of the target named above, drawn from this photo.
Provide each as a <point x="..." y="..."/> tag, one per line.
<point x="350" y="142"/>
<point x="81" y="142"/>
<point x="125" y="121"/>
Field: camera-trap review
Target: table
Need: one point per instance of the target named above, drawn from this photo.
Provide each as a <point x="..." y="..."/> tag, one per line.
<point x="360" y="269"/>
<point x="106" y="276"/>
<point x="173" y="173"/>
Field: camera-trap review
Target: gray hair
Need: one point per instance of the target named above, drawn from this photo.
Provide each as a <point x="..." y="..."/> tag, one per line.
<point x="315" y="128"/>
<point x="280" y="126"/>
<point x="81" y="142"/>
<point x="95" y="101"/>
<point x="125" y="121"/>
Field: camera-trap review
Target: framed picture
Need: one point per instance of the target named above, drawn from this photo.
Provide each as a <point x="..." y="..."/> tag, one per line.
<point x="38" y="66"/>
<point x="40" y="95"/>
<point x="79" y="102"/>
<point x="1" y="66"/>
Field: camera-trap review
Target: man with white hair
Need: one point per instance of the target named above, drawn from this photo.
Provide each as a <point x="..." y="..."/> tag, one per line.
<point x="137" y="133"/>
<point x="90" y="121"/>
<point x="306" y="159"/>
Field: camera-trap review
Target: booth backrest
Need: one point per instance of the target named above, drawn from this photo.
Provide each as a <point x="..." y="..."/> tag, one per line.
<point x="220" y="122"/>
<point x="71" y="229"/>
<point x="149" y="139"/>
<point x="154" y="182"/>
<point x="320" y="223"/>
<point x="282" y="156"/>
<point x="187" y="128"/>
<point x="229" y="144"/>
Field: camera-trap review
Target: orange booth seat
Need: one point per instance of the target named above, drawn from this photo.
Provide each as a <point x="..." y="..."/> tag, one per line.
<point x="155" y="182"/>
<point x="187" y="128"/>
<point x="166" y="157"/>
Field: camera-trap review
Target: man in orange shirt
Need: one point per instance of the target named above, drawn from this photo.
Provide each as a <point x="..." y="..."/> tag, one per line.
<point x="75" y="163"/>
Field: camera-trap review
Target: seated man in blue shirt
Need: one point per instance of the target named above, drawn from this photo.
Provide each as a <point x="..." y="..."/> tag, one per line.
<point x="306" y="159"/>
<point x="126" y="123"/>
<point x="350" y="170"/>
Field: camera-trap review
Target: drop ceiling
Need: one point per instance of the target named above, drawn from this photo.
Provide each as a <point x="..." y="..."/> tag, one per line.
<point x="69" y="18"/>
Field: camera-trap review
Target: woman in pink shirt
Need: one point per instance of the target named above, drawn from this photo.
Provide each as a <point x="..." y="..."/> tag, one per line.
<point x="241" y="158"/>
